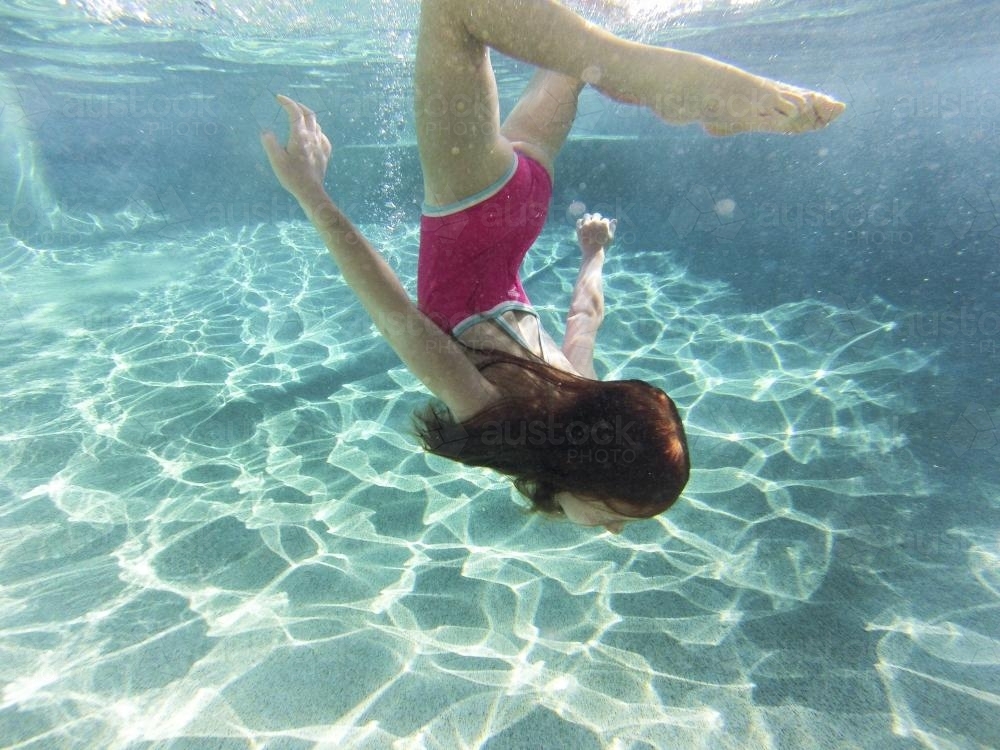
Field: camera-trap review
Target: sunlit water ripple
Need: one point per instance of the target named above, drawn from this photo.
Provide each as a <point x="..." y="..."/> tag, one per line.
<point x="217" y="530"/>
<point x="216" y="524"/>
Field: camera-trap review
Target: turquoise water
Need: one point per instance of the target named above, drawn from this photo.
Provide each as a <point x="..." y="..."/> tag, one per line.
<point x="216" y="529"/>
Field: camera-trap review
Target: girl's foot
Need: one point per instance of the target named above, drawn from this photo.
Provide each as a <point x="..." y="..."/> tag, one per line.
<point x="727" y="100"/>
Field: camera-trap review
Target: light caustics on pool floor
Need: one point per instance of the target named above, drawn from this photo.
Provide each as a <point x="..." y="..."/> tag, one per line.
<point x="215" y="524"/>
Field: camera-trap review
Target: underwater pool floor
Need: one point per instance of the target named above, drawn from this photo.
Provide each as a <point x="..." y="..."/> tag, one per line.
<point x="216" y="529"/>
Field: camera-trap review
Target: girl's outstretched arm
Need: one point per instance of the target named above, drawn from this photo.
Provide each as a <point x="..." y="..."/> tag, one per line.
<point x="425" y="349"/>
<point x="586" y="308"/>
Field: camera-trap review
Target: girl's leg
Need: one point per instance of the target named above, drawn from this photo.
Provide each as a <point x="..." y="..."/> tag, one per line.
<point x="680" y="87"/>
<point x="457" y="109"/>
<point x="544" y="114"/>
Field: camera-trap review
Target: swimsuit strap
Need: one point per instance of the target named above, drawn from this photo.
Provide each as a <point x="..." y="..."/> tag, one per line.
<point x="495" y="315"/>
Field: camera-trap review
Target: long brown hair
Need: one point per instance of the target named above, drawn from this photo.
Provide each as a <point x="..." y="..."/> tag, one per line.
<point x="621" y="442"/>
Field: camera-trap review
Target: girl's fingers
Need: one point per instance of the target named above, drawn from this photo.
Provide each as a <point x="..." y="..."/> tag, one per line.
<point x="299" y="116"/>
<point x="291" y="108"/>
<point x="308" y="116"/>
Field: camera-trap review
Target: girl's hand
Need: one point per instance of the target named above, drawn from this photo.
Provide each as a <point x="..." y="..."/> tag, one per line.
<point x="594" y="232"/>
<point x="301" y="165"/>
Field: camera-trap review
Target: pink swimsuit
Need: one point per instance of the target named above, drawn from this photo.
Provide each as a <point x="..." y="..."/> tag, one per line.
<point x="471" y="251"/>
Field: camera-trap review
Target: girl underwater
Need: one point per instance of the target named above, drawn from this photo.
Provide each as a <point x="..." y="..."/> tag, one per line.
<point x="599" y="453"/>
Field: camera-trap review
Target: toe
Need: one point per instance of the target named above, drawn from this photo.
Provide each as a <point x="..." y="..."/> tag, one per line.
<point x="828" y="109"/>
<point x="790" y="103"/>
